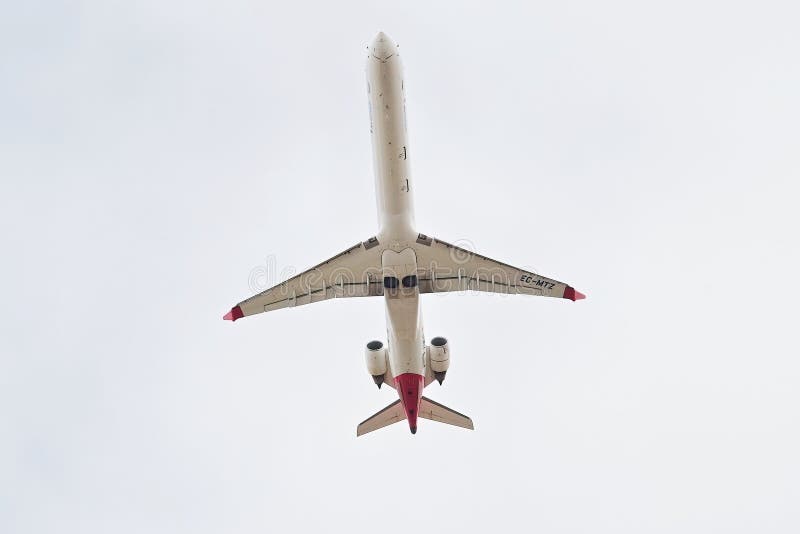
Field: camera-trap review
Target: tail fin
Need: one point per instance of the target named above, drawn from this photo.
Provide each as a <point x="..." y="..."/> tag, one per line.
<point x="434" y="411"/>
<point x="428" y="409"/>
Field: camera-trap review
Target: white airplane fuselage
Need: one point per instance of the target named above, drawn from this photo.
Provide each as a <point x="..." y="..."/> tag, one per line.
<point x="393" y="188"/>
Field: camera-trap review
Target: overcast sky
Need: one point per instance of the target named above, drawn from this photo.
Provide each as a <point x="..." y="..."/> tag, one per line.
<point x="159" y="158"/>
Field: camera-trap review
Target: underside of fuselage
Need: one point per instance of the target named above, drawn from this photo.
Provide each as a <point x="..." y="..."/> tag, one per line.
<point x="386" y="91"/>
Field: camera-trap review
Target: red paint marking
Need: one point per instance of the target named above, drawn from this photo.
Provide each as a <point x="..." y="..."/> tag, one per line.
<point x="235" y="313"/>
<point x="573" y="295"/>
<point x="409" y="387"/>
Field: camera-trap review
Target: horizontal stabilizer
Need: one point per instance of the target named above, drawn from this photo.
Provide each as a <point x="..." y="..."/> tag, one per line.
<point x="434" y="411"/>
<point x="389" y="415"/>
<point x="428" y="409"/>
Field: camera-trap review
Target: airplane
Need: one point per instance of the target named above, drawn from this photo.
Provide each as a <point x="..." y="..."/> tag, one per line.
<point x="399" y="264"/>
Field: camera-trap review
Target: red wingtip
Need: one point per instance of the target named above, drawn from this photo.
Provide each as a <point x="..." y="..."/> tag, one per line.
<point x="573" y="295"/>
<point x="235" y="313"/>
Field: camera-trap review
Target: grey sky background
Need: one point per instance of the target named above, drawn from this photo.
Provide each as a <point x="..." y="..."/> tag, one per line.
<point x="153" y="154"/>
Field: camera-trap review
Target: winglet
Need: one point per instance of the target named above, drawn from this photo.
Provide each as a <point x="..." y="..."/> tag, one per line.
<point x="235" y="313"/>
<point x="573" y="295"/>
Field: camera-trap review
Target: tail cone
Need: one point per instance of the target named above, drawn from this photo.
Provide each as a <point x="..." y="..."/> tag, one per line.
<point x="409" y="387"/>
<point x="378" y="379"/>
<point x="439" y="376"/>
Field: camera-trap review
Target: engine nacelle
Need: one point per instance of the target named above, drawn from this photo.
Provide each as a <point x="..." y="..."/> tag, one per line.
<point x="376" y="356"/>
<point x="439" y="358"/>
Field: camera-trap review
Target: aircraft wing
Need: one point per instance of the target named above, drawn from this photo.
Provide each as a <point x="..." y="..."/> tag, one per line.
<point x="443" y="267"/>
<point x="356" y="272"/>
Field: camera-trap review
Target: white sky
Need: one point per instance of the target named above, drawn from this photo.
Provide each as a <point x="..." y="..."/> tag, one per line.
<point x="153" y="154"/>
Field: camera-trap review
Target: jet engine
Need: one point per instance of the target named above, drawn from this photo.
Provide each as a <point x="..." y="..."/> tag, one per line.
<point x="376" y="361"/>
<point x="439" y="358"/>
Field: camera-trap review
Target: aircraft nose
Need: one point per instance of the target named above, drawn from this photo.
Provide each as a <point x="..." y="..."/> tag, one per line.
<point x="383" y="47"/>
